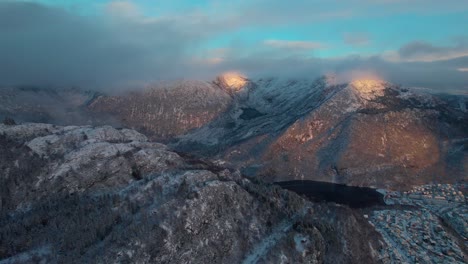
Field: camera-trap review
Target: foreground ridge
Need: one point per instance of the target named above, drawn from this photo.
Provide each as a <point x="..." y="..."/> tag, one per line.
<point x="68" y="193"/>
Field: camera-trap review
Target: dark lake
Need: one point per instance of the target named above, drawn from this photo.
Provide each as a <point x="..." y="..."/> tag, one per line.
<point x="355" y="197"/>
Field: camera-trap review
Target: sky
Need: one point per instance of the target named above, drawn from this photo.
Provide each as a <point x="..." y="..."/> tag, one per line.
<point x="107" y="44"/>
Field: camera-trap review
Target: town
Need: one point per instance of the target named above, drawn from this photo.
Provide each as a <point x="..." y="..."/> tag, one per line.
<point x="426" y="224"/>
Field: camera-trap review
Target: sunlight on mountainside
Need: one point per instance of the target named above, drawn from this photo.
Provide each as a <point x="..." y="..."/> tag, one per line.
<point x="369" y="88"/>
<point x="367" y="85"/>
<point x="234" y="80"/>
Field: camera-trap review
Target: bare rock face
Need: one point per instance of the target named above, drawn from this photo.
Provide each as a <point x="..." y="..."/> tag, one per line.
<point x="98" y="195"/>
<point x="166" y="111"/>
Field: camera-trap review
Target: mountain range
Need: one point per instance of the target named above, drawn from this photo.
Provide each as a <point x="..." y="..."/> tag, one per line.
<point x="365" y="133"/>
<point x="234" y="170"/>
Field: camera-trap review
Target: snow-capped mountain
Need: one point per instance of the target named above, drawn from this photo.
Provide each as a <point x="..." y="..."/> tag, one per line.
<point x="367" y="132"/>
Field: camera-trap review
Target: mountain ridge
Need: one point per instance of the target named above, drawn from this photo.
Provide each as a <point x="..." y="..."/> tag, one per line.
<point x="287" y="129"/>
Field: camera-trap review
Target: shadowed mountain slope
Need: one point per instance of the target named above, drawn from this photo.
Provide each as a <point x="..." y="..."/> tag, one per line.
<point x="98" y="194"/>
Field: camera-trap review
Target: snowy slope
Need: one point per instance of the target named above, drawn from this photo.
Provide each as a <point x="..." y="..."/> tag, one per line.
<point x="367" y="132"/>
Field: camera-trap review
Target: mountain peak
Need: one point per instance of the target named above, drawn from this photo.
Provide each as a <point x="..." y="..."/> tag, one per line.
<point x="232" y="81"/>
<point x="369" y="88"/>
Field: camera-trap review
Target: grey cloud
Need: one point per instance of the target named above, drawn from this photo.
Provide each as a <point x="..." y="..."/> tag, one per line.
<point x="417" y="48"/>
<point x="441" y="76"/>
<point x="421" y="51"/>
<point x="48" y="46"/>
<point x="42" y="45"/>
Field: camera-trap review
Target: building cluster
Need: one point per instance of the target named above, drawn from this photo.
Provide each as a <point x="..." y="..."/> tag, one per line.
<point x="430" y="194"/>
<point x="415" y="232"/>
<point x="415" y="236"/>
<point x="437" y="193"/>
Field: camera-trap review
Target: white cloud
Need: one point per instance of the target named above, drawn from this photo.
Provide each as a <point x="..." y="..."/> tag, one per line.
<point x="291" y="44"/>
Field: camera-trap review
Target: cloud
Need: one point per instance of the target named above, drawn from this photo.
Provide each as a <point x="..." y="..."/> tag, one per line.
<point x="121" y="47"/>
<point x="422" y="51"/>
<point x="442" y="76"/>
<point x="356" y="39"/>
<point x="272" y="13"/>
<point x="386" y="7"/>
<point x="50" y="46"/>
<point x="289" y="44"/>
<point x="123" y="8"/>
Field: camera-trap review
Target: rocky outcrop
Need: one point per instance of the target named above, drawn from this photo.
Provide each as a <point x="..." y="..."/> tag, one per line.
<point x="99" y="194"/>
<point x="74" y="159"/>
